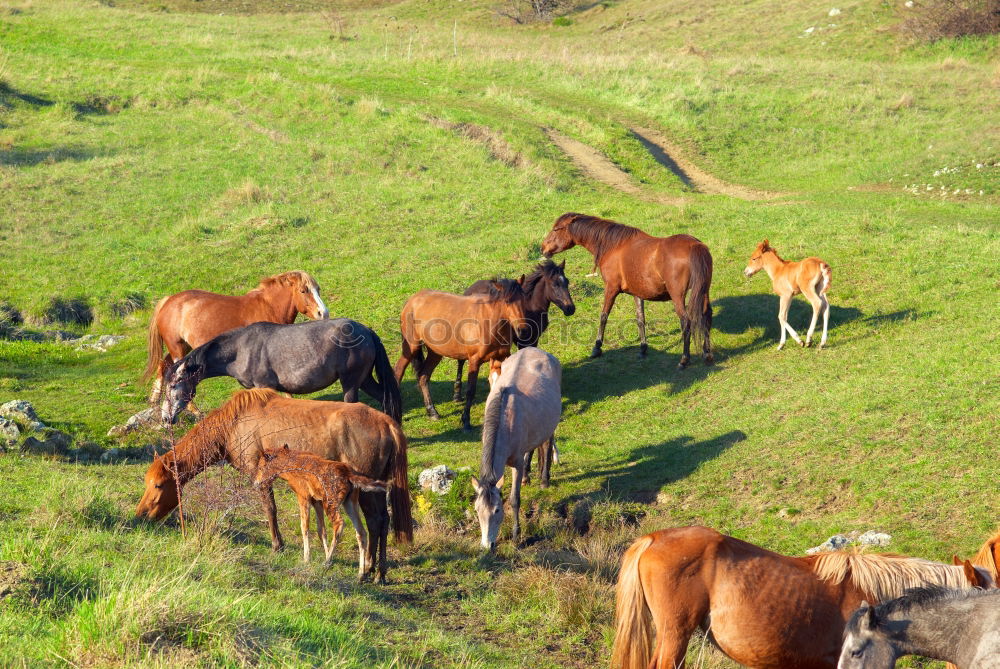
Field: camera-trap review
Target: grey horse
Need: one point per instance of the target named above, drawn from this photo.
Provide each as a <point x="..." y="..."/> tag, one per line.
<point x="297" y="358"/>
<point x="958" y="626"/>
<point x="522" y="412"/>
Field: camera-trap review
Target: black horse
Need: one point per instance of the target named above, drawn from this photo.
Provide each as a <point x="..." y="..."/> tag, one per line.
<point x="297" y="358"/>
<point x="546" y="285"/>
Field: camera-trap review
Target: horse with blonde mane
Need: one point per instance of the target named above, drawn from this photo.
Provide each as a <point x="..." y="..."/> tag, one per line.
<point x="186" y="320"/>
<point x="762" y="609"/>
<point x="368" y="441"/>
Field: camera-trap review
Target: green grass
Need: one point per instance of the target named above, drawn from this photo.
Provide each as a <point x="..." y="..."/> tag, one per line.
<point x="144" y="152"/>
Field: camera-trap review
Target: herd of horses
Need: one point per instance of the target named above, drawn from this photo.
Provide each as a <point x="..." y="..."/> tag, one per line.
<point x="760" y="608"/>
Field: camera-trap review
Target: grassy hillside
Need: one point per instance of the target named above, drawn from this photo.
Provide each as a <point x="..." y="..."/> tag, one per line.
<point x="148" y="147"/>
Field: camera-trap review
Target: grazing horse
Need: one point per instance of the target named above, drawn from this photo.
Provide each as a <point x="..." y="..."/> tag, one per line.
<point x="811" y="277"/>
<point x="186" y="320"/>
<point x="522" y="412"/>
<point x="546" y="285"/>
<point x="645" y="267"/>
<point x="960" y="626"/>
<point x="252" y="420"/>
<point x="762" y="609"/>
<point x="324" y="485"/>
<point x="298" y="358"/>
<point x="989" y="556"/>
<point x="477" y="328"/>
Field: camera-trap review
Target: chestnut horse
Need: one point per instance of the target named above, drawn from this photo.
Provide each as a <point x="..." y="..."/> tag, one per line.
<point x="323" y="485"/>
<point x="645" y="267"/>
<point x="367" y="440"/>
<point x="186" y="320"/>
<point x="477" y="328"/>
<point x="811" y="277"/>
<point x="989" y="556"/>
<point x="762" y="609"/>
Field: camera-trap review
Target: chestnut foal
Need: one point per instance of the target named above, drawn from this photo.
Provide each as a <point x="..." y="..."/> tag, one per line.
<point x="326" y="485"/>
<point x="811" y="277"/>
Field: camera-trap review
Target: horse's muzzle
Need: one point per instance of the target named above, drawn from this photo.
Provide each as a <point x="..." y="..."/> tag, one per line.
<point x="569" y="311"/>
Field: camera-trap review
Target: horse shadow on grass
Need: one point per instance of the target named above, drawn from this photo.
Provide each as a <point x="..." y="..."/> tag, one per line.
<point x="641" y="474"/>
<point x="739" y="314"/>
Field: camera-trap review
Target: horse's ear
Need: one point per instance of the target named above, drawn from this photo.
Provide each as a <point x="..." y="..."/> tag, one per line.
<point x="475" y="484"/>
<point x="562" y="265"/>
<point x="955" y="561"/>
<point x="285" y="447"/>
<point x="267" y="456"/>
<point x="869" y="620"/>
<point x="975" y="578"/>
<point x="520" y="281"/>
<point x="766" y="244"/>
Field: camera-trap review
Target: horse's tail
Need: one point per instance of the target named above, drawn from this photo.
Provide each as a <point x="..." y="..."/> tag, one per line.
<point x="699" y="309"/>
<point x="367" y="484"/>
<point x="399" y="493"/>
<point x="154" y="344"/>
<point x="392" y="399"/>
<point x="633" y="622"/>
<point x="826" y="277"/>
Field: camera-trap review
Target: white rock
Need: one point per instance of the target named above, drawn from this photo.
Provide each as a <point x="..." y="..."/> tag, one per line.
<point x="908" y="4"/>
<point x="873" y="538"/>
<point x="833" y="12"/>
<point x="437" y="479"/>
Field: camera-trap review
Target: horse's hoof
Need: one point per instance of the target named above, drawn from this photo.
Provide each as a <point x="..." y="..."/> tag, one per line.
<point x="804" y="344"/>
<point x="595" y="352"/>
<point x="433" y="415"/>
<point x="683" y="363"/>
<point x="642" y="353"/>
<point x="780" y="346"/>
<point x="467" y="427"/>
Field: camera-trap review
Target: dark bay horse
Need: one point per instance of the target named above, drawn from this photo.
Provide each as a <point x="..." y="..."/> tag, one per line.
<point x="547" y="284"/>
<point x="646" y="267"/>
<point x="298" y="358"/>
<point x="477" y="328"/>
<point x="762" y="609"/>
<point x="186" y="320"/>
<point x="522" y="412"/>
<point x="368" y="441"/>
<point x="960" y="626"/>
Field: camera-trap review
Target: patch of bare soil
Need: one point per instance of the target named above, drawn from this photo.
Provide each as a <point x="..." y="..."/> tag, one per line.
<point x="11" y="575"/>
<point x="597" y="166"/>
<point x="670" y="156"/>
<point x="491" y="139"/>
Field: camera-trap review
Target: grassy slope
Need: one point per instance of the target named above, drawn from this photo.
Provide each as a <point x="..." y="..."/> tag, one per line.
<point x="238" y="147"/>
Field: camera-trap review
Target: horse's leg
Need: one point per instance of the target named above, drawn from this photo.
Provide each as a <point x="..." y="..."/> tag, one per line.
<point x="352" y="509"/>
<point x="377" y="517"/>
<point x="640" y="319"/>
<point x="156" y="394"/>
<point x="545" y="453"/>
<point x="610" y="293"/>
<point x="457" y="397"/>
<point x="826" y="319"/>
<point x="271" y="513"/>
<point x="404" y="359"/>
<point x="817" y="305"/>
<point x="786" y="302"/>
<point x="304" y="511"/>
<point x="527" y="466"/>
<point x="321" y="527"/>
<point x="678" y="302"/>
<point x="350" y="390"/>
<point x="423" y="380"/>
<point x="674" y="619"/>
<point x="515" y="502"/>
<point x="470" y="392"/>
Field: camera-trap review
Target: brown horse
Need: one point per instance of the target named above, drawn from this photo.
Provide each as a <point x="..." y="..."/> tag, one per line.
<point x="477" y="328"/>
<point x="760" y="608"/>
<point x="322" y="485"/>
<point x="810" y="276"/>
<point x="367" y="440"/>
<point x="989" y="556"/>
<point x="184" y="321"/>
<point x="645" y="267"/>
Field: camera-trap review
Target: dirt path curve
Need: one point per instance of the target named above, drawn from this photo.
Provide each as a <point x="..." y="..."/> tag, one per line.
<point x="670" y="156"/>
<point x="597" y="166"/>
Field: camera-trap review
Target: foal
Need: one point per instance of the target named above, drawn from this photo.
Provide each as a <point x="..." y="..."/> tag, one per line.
<point x="325" y="484"/>
<point x="811" y="277"/>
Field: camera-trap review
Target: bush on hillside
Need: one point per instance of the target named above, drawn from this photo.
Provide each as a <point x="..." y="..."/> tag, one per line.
<point x="530" y="11"/>
<point x="940" y="19"/>
<point x="74" y="310"/>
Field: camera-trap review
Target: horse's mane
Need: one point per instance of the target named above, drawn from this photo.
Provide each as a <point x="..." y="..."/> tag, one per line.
<point x="298" y="275"/>
<point x="931" y="595"/>
<point x="509" y="291"/>
<point x="488" y="473"/>
<point x="600" y="235"/>
<point x="216" y="427"/>
<point x="986" y="558"/>
<point x="882" y="576"/>
<point x="546" y="269"/>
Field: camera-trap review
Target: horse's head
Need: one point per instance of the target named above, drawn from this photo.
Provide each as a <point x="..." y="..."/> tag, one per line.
<point x="266" y="469"/>
<point x="558" y="239"/>
<point x="864" y="644"/>
<point x="978" y="577"/>
<point x="307" y="299"/>
<point x="179" y="385"/>
<point x="489" y="509"/>
<point x="557" y="287"/>
<point x="160" y="496"/>
<point x="756" y="262"/>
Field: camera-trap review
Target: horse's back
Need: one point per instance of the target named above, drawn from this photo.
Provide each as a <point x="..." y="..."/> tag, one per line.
<point x="532" y="379"/>
<point x="198" y="316"/>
